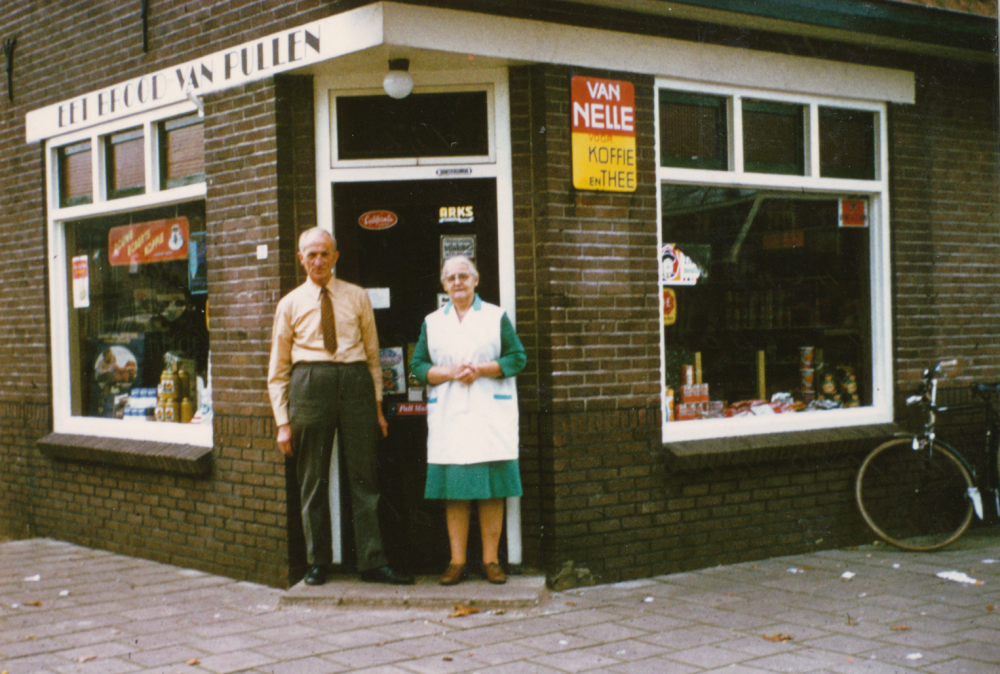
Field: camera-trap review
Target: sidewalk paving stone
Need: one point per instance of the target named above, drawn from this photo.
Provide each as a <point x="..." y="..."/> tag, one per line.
<point x="93" y="612"/>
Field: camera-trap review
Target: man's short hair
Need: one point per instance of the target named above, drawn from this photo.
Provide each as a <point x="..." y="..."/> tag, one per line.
<point x="313" y="233"/>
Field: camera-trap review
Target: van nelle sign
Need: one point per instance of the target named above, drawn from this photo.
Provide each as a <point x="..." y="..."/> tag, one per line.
<point x="603" y="134"/>
<point x="277" y="53"/>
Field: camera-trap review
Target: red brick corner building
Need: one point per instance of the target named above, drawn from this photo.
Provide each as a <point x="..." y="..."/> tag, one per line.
<point x="730" y="238"/>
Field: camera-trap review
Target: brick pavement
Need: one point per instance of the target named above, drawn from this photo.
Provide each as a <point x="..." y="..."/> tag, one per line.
<point x="92" y="612"/>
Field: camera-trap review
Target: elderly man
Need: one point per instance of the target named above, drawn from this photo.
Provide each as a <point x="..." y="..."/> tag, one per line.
<point x="325" y="377"/>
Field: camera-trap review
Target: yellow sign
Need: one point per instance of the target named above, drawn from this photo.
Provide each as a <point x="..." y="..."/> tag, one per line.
<point x="603" y="134"/>
<point x="669" y="306"/>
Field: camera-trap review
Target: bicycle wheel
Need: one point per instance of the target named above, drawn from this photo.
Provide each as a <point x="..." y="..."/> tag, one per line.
<point x="914" y="499"/>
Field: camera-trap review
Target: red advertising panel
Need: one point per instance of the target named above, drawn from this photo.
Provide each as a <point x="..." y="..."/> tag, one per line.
<point x="156" y="241"/>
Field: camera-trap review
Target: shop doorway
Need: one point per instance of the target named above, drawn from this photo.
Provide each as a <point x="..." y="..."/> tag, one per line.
<point x="392" y="237"/>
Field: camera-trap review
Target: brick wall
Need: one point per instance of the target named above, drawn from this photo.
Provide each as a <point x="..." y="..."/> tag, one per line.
<point x="258" y="149"/>
<point x="587" y="311"/>
<point x="945" y="231"/>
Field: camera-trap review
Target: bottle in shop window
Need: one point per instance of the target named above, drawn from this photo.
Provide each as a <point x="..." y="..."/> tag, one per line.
<point x="187" y="411"/>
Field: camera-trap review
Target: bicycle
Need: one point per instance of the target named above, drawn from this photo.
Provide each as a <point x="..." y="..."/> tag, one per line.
<point x="919" y="493"/>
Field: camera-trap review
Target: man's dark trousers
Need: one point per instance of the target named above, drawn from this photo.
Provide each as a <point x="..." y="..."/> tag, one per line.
<point x="324" y="398"/>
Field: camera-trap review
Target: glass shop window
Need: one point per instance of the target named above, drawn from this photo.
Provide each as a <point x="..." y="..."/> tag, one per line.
<point x="182" y="151"/>
<point x="847" y="143"/>
<point x="125" y="158"/>
<point x="773" y="140"/>
<point x="420" y="125"/>
<point x="693" y="131"/>
<point x="766" y="302"/>
<point x="76" y="182"/>
<point x="138" y="332"/>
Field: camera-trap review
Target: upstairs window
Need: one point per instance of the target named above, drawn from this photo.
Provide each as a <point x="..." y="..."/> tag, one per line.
<point x="182" y="151"/>
<point x="76" y="179"/>
<point x="772" y="138"/>
<point x="439" y="125"/>
<point x="693" y="131"/>
<point x="847" y="143"/>
<point x="126" y="165"/>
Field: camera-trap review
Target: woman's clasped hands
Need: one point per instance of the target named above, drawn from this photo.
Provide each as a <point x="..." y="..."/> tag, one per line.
<point x="466" y="373"/>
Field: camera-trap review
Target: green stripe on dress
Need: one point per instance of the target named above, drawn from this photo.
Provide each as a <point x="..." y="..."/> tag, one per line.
<point x="474" y="481"/>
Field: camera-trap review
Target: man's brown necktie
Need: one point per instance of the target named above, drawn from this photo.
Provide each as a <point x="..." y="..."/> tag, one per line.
<point x="327" y="321"/>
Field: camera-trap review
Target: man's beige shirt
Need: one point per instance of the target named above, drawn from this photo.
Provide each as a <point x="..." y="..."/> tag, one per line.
<point x="297" y="337"/>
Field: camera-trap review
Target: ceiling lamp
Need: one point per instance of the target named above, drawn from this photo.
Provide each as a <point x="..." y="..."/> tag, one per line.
<point x="398" y="82"/>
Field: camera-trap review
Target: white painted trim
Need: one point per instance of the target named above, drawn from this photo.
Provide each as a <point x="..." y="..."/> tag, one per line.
<point x="59" y="303"/>
<point x="523" y="41"/>
<point x="881" y="410"/>
<point x="459" y="32"/>
<point x="497" y="165"/>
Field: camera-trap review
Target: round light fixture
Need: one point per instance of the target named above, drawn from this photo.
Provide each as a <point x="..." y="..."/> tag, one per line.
<point x="398" y="82"/>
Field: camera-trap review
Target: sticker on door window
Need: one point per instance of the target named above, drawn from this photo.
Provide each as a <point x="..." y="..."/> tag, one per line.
<point x="455" y="214"/>
<point x="453" y="245"/>
<point x="378" y="220"/>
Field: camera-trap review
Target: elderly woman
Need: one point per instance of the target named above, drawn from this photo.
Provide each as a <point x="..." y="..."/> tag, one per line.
<point x="468" y="354"/>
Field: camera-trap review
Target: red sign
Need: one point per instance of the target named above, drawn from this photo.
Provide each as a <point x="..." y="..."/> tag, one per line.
<point x="853" y="213"/>
<point x="156" y="241"/>
<point x="411" y="409"/>
<point x="378" y="219"/>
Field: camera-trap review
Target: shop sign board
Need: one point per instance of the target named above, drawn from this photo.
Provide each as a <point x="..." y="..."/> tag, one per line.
<point x="603" y="115"/>
<point x="232" y="67"/>
<point x="156" y="241"/>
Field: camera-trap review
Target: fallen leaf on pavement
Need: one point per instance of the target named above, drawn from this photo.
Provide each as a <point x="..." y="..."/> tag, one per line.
<point x="777" y="637"/>
<point x="193" y="662"/>
<point x="991" y="607"/>
<point x="462" y="611"/>
<point x="571" y="603"/>
<point x="900" y="628"/>
<point x="86" y="658"/>
<point x="447" y="658"/>
<point x="32" y="603"/>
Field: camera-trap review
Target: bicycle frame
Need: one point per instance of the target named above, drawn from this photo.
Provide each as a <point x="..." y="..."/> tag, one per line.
<point x="928" y="400"/>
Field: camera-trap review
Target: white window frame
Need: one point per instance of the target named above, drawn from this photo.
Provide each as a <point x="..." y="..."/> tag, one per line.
<point x="59" y="301"/>
<point x="877" y="191"/>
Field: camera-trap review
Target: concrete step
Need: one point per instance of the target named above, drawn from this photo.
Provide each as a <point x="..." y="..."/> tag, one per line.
<point x="346" y="590"/>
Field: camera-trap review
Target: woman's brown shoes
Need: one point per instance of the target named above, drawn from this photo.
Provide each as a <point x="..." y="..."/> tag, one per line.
<point x="453" y="575"/>
<point x="493" y="572"/>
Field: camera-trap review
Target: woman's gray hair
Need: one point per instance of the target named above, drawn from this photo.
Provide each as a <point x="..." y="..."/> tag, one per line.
<point x="463" y="259"/>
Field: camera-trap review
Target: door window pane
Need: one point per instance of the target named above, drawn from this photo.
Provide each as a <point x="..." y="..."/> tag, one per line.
<point x="847" y="143"/>
<point x="693" y="131"/>
<point x="420" y="125"/>
<point x="138" y="308"/>
<point x="126" y="164"/>
<point x="773" y="137"/>
<point x="766" y="300"/>
<point x="76" y="181"/>
<point x="182" y="151"/>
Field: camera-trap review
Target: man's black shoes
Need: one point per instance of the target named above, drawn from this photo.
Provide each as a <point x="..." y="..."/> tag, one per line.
<point x="385" y="574"/>
<point x="316" y="575"/>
